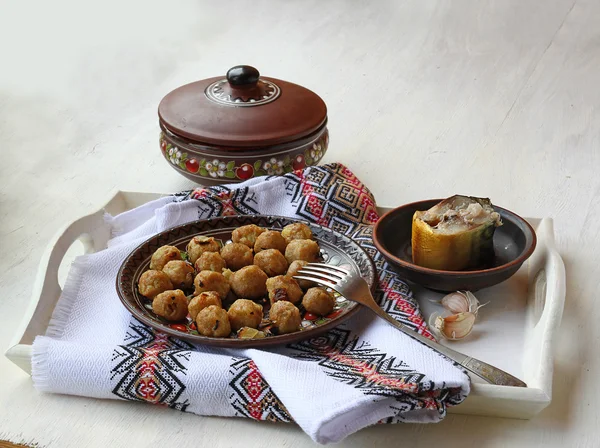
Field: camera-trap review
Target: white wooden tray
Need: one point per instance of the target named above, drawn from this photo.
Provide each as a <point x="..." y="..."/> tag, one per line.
<point x="515" y="331"/>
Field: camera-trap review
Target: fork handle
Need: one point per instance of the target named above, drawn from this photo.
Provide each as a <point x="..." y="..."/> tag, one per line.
<point x="483" y="370"/>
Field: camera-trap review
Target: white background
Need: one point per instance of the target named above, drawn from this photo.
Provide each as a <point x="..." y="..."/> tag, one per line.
<point x="426" y="99"/>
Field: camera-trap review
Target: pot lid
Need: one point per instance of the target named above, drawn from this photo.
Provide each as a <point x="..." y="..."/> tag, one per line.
<point x="242" y="109"/>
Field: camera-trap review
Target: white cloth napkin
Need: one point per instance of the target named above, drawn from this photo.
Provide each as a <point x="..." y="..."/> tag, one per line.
<point x="361" y="373"/>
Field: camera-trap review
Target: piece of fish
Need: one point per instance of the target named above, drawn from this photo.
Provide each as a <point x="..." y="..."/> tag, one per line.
<point x="455" y="234"/>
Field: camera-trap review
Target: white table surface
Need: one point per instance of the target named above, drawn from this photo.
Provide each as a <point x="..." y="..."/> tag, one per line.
<point x="426" y="99"/>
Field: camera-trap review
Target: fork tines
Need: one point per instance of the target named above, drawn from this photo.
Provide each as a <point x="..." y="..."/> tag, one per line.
<point x="324" y="274"/>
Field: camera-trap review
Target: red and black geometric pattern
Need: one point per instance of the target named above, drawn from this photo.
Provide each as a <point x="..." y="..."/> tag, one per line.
<point x="221" y="201"/>
<point x="251" y="396"/>
<point x="332" y="196"/>
<point x="145" y="367"/>
<point x="360" y="365"/>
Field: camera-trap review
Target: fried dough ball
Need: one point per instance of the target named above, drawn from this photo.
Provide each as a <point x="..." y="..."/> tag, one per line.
<point x="163" y="255"/>
<point x="181" y="273"/>
<point x="172" y="305"/>
<point x="210" y="261"/>
<point x="213" y="322"/>
<point x="296" y="231"/>
<point x="295" y="266"/>
<point x="270" y="239"/>
<point x="283" y="287"/>
<point x="244" y="313"/>
<point x="203" y="300"/>
<point x="200" y="244"/>
<point x="211" y="281"/>
<point x="237" y="255"/>
<point x="285" y="316"/>
<point x="250" y="282"/>
<point x="271" y="261"/>
<point x="247" y="234"/>
<point x="307" y="250"/>
<point x="318" y="301"/>
<point x="153" y="282"/>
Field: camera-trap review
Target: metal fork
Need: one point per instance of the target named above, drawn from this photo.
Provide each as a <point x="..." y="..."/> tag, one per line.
<point x="354" y="288"/>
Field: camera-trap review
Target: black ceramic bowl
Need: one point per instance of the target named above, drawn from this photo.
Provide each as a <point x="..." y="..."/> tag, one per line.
<point x="514" y="243"/>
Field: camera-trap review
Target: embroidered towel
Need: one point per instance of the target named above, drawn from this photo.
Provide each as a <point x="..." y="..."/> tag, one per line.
<point x="361" y="373"/>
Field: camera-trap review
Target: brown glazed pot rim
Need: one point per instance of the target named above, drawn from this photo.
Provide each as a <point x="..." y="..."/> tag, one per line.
<point x="378" y="241"/>
<point x="235" y="117"/>
<point x="242" y="150"/>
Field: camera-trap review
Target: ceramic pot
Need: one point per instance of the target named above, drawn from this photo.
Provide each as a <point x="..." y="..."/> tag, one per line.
<point x="225" y="130"/>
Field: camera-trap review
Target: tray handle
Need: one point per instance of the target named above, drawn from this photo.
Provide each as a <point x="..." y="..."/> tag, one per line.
<point x="93" y="233"/>
<point x="545" y="307"/>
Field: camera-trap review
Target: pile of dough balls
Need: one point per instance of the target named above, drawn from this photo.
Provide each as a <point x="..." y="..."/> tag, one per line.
<point x="258" y="263"/>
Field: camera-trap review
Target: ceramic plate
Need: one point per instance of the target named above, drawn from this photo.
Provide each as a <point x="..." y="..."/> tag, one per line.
<point x="336" y="249"/>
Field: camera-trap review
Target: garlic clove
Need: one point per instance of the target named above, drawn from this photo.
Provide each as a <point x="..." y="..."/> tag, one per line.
<point x="456" y="302"/>
<point x="461" y="302"/>
<point x="456" y="326"/>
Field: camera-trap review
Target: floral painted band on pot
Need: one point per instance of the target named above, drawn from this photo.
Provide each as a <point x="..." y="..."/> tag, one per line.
<point x="207" y="165"/>
<point x="224" y="130"/>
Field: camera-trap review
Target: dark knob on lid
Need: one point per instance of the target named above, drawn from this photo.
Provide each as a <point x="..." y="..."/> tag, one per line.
<point x="242" y="75"/>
